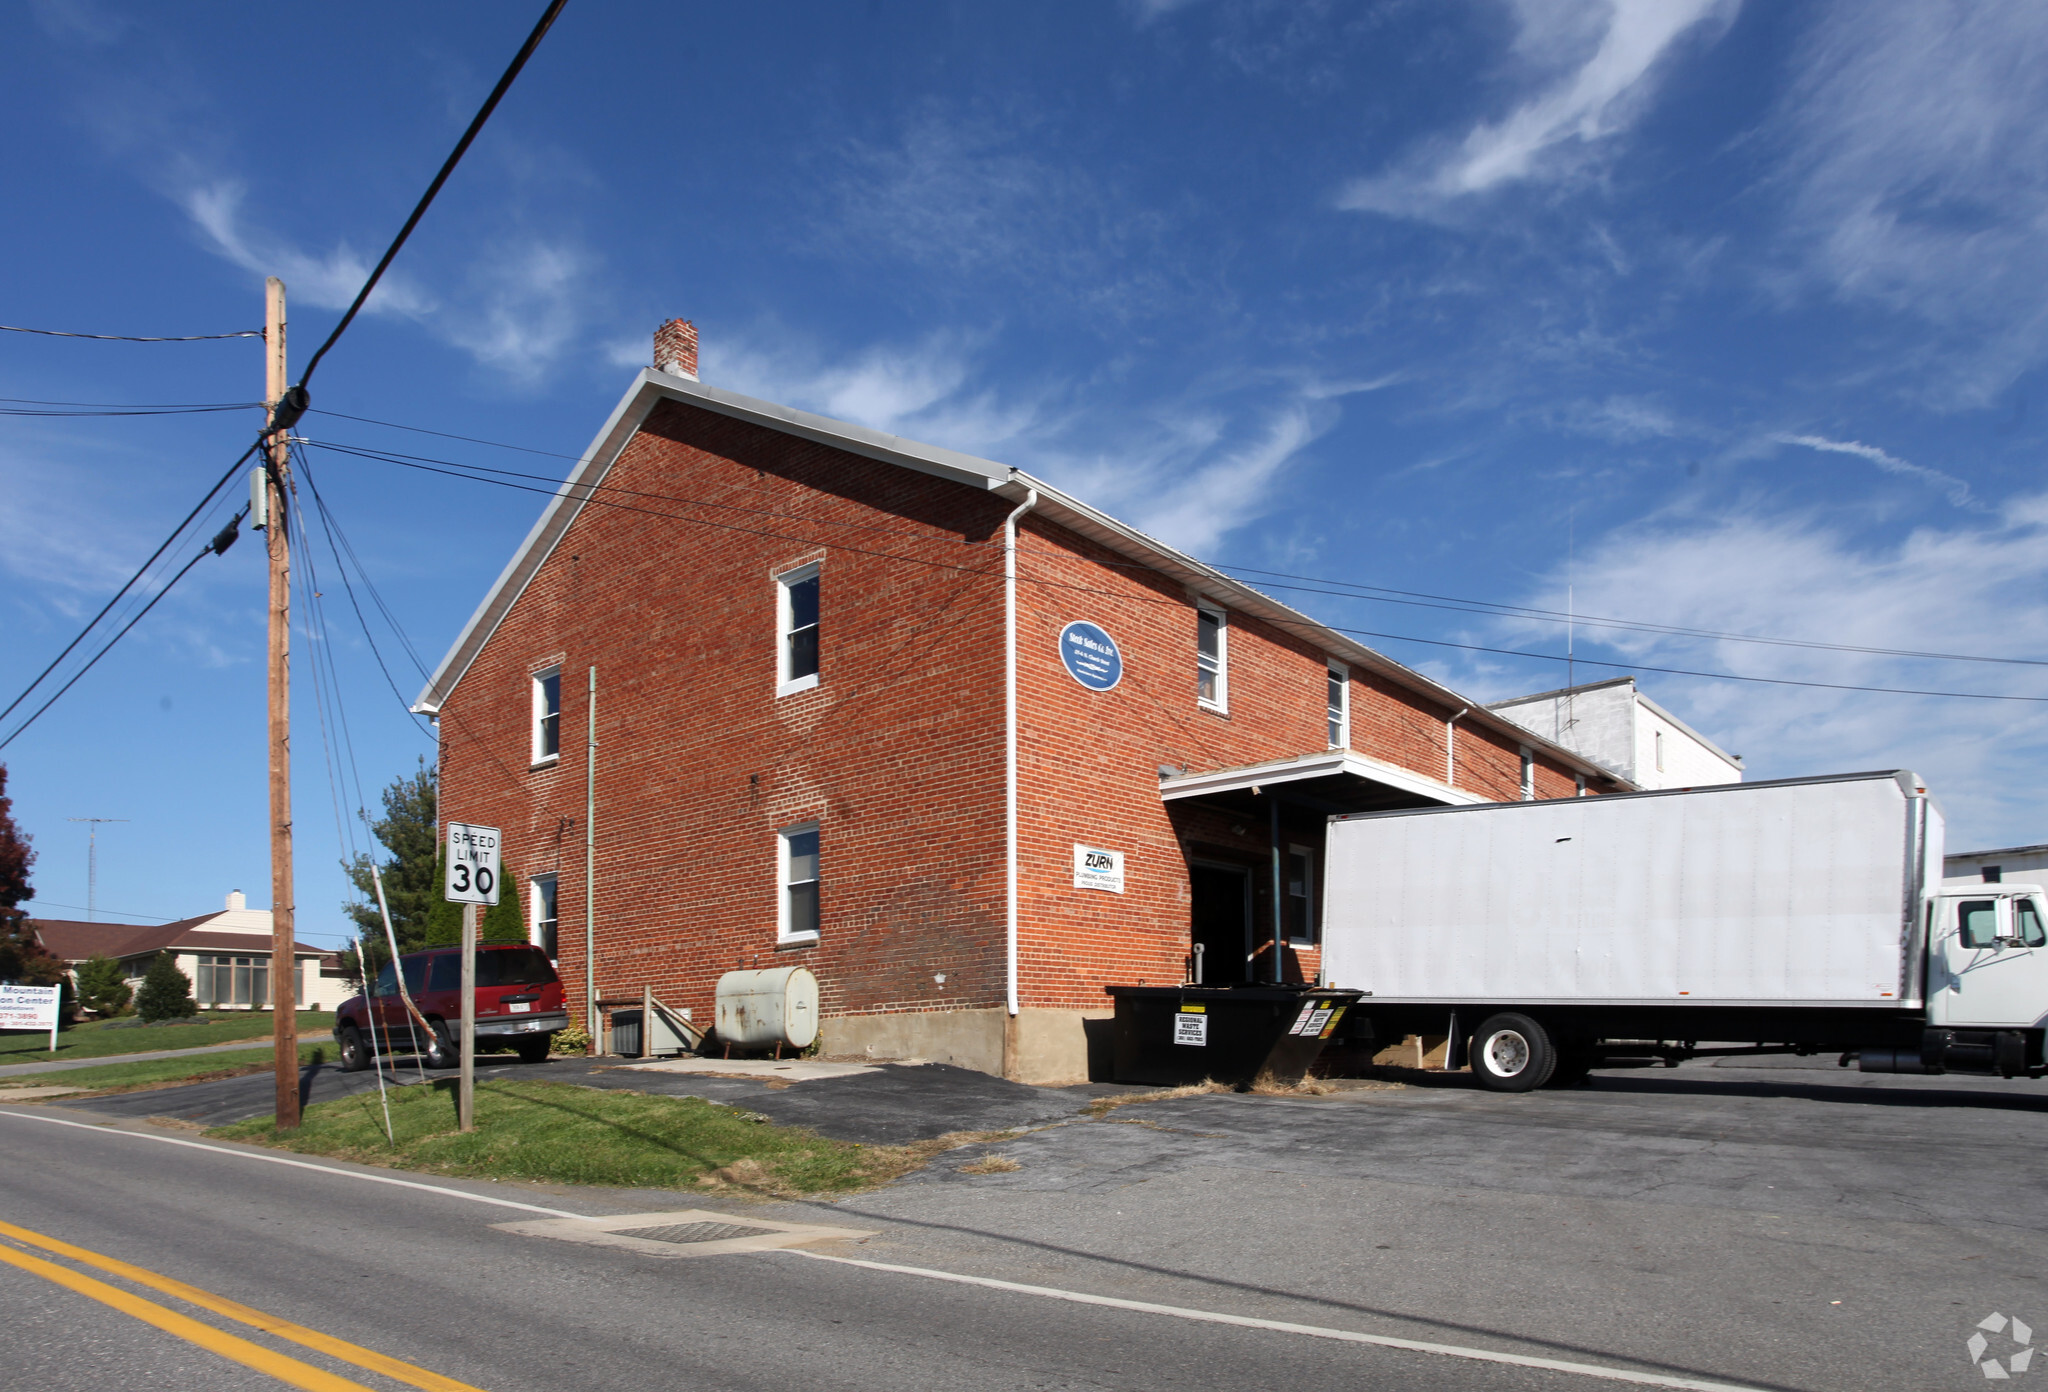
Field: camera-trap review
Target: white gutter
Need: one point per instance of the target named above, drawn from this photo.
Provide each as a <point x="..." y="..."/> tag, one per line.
<point x="1010" y="746"/>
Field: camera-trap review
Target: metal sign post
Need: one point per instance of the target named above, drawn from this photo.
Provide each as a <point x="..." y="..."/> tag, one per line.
<point x="473" y="858"/>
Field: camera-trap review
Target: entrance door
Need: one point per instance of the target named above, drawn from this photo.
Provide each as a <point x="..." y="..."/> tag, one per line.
<point x="1221" y="922"/>
<point x="1996" y="951"/>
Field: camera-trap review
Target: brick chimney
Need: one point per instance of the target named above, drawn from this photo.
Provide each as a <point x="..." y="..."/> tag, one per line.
<point x="675" y="349"/>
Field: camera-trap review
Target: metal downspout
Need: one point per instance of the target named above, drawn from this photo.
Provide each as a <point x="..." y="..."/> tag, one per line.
<point x="1451" y="748"/>
<point x="1279" y="909"/>
<point x="1010" y="764"/>
<point x="590" y="1020"/>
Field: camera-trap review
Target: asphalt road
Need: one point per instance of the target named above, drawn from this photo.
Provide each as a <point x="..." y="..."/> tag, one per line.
<point x="1770" y="1227"/>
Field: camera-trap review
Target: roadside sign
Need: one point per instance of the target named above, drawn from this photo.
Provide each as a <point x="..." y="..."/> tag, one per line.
<point x="473" y="856"/>
<point x="30" y="1008"/>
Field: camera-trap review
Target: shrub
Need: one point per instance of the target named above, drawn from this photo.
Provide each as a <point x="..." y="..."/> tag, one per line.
<point x="102" y="985"/>
<point x="166" y="992"/>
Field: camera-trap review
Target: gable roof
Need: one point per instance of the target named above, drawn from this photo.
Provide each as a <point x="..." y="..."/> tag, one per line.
<point x="651" y="388"/>
<point x="71" y="940"/>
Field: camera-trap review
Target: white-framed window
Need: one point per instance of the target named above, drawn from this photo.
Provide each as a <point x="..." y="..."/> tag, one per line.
<point x="796" y="858"/>
<point x="796" y="629"/>
<point x="1528" y="774"/>
<point x="1212" y="657"/>
<point x="1659" y="738"/>
<point x="1301" y="896"/>
<point x="542" y="931"/>
<point x="1579" y="785"/>
<point x="232" y="983"/>
<point x="1339" y="681"/>
<point x="547" y="715"/>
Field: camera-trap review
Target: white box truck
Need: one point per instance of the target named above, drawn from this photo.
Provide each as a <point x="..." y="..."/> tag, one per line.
<point x="1545" y="939"/>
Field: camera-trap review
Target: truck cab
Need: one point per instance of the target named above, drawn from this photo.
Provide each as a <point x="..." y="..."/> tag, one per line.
<point x="1987" y="957"/>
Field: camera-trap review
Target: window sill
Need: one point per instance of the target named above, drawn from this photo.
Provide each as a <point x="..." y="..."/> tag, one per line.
<point x="790" y="688"/>
<point x="1214" y="708"/>
<point x="549" y="762"/>
<point x="797" y="940"/>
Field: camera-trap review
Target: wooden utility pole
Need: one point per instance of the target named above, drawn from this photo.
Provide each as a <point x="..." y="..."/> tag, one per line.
<point x="283" y="944"/>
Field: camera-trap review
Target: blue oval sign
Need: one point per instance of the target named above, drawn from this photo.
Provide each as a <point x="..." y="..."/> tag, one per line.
<point x="1091" y="656"/>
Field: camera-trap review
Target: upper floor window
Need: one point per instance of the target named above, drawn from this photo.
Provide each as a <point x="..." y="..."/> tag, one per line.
<point x="1339" y="681"/>
<point x="796" y="600"/>
<point x="797" y="920"/>
<point x="1528" y="774"/>
<point x="1660" y="750"/>
<point x="1212" y="658"/>
<point x="547" y="715"/>
<point x="543" y="935"/>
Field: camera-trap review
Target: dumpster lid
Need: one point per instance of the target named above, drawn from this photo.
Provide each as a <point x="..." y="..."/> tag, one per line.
<point x="1237" y="993"/>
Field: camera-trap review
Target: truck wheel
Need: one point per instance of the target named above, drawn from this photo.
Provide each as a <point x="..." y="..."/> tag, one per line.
<point x="354" y="1056"/>
<point x="442" y="1051"/>
<point x="1512" y="1053"/>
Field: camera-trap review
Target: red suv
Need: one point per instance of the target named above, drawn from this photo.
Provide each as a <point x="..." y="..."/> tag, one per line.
<point x="518" y="1003"/>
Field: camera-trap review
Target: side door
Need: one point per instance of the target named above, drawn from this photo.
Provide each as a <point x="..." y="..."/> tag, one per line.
<point x="1995" y="950"/>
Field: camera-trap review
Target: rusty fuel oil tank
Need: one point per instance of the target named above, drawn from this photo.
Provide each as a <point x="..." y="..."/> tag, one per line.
<point x="759" y="1009"/>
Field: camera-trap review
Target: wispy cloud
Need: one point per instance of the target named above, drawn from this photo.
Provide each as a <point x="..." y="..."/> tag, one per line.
<point x="1596" y="61"/>
<point x="1979" y="587"/>
<point x="329" y="281"/>
<point x="1916" y="164"/>
<point x="1190" y="468"/>
<point x="1957" y="490"/>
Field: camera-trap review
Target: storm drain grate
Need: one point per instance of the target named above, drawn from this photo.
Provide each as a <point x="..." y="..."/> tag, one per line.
<point x="695" y="1232"/>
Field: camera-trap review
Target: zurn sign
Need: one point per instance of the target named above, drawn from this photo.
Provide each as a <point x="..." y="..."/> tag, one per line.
<point x="473" y="864"/>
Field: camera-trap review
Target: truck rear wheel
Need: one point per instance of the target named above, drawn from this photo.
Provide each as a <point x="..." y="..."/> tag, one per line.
<point x="1512" y="1053"/>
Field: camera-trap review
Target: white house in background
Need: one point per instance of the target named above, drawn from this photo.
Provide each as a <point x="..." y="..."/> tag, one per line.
<point x="225" y="955"/>
<point x="2028" y="864"/>
<point x="1615" y="725"/>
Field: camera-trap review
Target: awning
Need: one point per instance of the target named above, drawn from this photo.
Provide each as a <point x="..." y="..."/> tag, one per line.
<point x="1332" y="781"/>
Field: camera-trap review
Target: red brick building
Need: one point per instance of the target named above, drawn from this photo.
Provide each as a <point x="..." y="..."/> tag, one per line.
<point x="850" y="712"/>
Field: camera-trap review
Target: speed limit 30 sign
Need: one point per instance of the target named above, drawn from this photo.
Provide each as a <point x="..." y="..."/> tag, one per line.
<point x="472" y="864"/>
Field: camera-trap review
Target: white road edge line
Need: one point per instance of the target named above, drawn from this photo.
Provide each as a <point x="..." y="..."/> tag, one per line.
<point x="295" y="1164"/>
<point x="1315" y="1331"/>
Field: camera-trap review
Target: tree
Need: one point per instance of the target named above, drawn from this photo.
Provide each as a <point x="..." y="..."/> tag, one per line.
<point x="102" y="985"/>
<point x="166" y="992"/>
<point x="16" y="856"/>
<point x="23" y="958"/>
<point x="410" y="831"/>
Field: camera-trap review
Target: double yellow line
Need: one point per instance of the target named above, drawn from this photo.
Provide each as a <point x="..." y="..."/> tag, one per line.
<point x="284" y="1369"/>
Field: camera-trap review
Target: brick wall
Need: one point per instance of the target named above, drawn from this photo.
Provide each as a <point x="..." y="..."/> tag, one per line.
<point x="667" y="587"/>
<point x="897" y="752"/>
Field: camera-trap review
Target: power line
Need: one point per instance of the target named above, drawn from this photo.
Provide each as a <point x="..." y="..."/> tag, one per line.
<point x="217" y="546"/>
<point x="140" y="572"/>
<point x="22" y="406"/>
<point x="1413" y="599"/>
<point x="589" y="495"/>
<point x="133" y="338"/>
<point x="1380" y="594"/>
<point x="426" y="200"/>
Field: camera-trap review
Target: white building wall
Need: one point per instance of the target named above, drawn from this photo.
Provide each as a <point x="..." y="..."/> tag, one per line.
<point x="1614" y="724"/>
<point x="2028" y="864"/>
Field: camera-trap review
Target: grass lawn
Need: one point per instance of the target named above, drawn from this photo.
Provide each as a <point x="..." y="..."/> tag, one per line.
<point x="565" y="1134"/>
<point x="157" y="1072"/>
<point x="95" y="1039"/>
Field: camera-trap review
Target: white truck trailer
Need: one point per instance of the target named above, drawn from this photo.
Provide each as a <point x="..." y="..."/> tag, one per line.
<point x="1545" y="939"/>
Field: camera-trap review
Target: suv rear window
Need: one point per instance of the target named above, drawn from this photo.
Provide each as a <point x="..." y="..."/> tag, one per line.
<point x="514" y="966"/>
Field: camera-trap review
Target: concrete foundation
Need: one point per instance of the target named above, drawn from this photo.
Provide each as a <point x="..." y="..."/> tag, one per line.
<point x="1038" y="1046"/>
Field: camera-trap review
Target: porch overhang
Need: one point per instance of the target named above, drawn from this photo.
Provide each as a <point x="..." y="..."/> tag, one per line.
<point x="1334" y="781"/>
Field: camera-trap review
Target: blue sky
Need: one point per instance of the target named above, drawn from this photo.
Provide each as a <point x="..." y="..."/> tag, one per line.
<point x="1727" y="316"/>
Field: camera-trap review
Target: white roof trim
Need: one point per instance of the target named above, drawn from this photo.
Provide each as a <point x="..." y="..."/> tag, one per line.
<point x="652" y="387"/>
<point x="1305" y="766"/>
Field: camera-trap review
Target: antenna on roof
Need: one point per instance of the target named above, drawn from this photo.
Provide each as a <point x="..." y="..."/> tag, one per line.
<point x="92" y="862"/>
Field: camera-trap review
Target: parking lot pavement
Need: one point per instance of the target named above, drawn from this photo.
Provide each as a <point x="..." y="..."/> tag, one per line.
<point x="1787" y="1227"/>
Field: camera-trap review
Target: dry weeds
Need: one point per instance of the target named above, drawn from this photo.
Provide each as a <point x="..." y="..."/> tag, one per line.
<point x="991" y="1164"/>
<point x="1103" y="1106"/>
